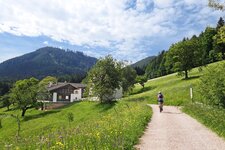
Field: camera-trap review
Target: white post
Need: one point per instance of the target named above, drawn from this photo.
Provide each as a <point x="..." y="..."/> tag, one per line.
<point x="191" y="93"/>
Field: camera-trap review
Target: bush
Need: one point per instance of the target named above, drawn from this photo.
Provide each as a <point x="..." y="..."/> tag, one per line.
<point x="212" y="86"/>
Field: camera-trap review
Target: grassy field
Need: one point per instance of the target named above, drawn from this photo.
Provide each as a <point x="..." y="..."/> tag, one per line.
<point x="95" y="126"/>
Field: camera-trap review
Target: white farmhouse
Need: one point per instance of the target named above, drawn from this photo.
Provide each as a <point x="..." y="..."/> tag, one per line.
<point x="66" y="92"/>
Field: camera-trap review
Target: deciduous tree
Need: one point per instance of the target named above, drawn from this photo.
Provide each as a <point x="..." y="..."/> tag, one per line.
<point x="184" y="56"/>
<point x="219" y="40"/>
<point x="24" y="94"/>
<point x="128" y="78"/>
<point x="104" y="78"/>
<point x="141" y="80"/>
<point x="216" y="5"/>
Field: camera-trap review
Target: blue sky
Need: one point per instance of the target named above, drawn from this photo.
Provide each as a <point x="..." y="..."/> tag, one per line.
<point x="127" y="29"/>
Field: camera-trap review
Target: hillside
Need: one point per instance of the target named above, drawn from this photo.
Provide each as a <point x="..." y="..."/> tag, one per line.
<point x="123" y="121"/>
<point x="143" y="63"/>
<point x="176" y="90"/>
<point x="46" y="61"/>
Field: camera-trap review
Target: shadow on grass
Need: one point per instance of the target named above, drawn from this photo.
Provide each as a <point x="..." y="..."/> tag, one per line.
<point x="136" y="99"/>
<point x="142" y="90"/>
<point x="31" y="117"/>
<point x="192" y="77"/>
<point x="69" y="105"/>
<point x="105" y="106"/>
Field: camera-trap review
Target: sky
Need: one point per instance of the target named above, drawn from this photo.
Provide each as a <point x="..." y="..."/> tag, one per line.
<point x="126" y="29"/>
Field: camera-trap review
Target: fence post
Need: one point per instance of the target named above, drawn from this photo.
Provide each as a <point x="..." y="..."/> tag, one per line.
<point x="191" y="94"/>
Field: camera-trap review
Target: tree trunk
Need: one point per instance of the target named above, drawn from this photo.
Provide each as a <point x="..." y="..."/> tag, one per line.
<point x="23" y="112"/>
<point x="7" y="108"/>
<point x="143" y="85"/>
<point x="186" y="74"/>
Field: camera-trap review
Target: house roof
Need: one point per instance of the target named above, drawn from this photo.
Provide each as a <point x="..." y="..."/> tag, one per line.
<point x="62" y="84"/>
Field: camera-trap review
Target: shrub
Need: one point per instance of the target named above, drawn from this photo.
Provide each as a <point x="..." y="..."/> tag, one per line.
<point x="212" y="86"/>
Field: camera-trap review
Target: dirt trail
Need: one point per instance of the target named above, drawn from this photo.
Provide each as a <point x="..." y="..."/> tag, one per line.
<point x="174" y="130"/>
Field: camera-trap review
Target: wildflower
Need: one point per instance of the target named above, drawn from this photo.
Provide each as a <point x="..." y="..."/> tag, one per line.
<point x="59" y="144"/>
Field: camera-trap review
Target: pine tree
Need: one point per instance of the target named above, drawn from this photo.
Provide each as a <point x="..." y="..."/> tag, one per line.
<point x="220" y="24"/>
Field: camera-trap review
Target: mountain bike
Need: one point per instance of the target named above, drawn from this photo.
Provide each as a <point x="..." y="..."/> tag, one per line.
<point x="160" y="106"/>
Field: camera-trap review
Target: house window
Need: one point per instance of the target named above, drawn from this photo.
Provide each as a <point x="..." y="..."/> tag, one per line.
<point x="67" y="97"/>
<point x="60" y="97"/>
<point x="76" y="92"/>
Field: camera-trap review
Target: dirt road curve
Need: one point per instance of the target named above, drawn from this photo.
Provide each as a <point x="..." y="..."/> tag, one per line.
<point x="174" y="130"/>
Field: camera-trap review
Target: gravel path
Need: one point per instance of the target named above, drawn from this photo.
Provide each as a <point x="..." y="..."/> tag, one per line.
<point x="174" y="130"/>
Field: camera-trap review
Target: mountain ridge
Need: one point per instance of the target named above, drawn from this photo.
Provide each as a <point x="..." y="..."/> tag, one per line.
<point x="44" y="62"/>
<point x="143" y="62"/>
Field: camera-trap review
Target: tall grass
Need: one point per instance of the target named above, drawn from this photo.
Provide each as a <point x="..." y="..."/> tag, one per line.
<point x="115" y="126"/>
<point x="212" y="117"/>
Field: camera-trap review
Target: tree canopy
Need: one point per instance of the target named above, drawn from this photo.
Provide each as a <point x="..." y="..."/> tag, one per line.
<point x="128" y="78"/>
<point x="107" y="76"/>
<point x="104" y="78"/>
<point x="184" y="56"/>
<point x="216" y="5"/>
<point x="24" y="94"/>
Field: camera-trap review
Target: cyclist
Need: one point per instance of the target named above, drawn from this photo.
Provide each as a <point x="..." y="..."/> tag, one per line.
<point x="160" y="101"/>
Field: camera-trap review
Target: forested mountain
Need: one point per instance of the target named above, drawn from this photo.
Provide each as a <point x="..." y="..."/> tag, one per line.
<point x="142" y="63"/>
<point x="46" y="61"/>
<point x="199" y="50"/>
<point x="140" y="66"/>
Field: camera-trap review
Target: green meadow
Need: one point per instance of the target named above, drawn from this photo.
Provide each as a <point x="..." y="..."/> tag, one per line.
<point x="91" y="125"/>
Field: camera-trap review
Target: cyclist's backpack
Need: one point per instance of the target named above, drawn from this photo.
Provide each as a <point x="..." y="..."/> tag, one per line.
<point x="160" y="96"/>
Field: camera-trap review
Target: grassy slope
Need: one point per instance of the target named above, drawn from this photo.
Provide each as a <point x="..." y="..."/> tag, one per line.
<point x="176" y="90"/>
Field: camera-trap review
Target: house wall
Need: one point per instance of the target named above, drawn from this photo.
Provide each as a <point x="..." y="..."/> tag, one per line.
<point x="118" y="93"/>
<point x="76" y="95"/>
<point x="67" y="94"/>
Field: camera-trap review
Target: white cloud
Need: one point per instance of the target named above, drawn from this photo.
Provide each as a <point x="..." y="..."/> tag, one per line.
<point x="100" y="23"/>
<point x="45" y="42"/>
<point x="163" y="3"/>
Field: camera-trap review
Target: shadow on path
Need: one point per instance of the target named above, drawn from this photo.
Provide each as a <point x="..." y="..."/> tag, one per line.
<point x="167" y="112"/>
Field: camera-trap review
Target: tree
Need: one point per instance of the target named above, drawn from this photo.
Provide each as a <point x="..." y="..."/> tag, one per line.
<point x="206" y="39"/>
<point x="128" y="78"/>
<point x="43" y="93"/>
<point x="216" y="5"/>
<point x="6" y="102"/>
<point x="141" y="80"/>
<point x="140" y="71"/>
<point x="104" y="78"/>
<point x="24" y="94"/>
<point x="219" y="40"/>
<point x="156" y="66"/>
<point x="5" y="87"/>
<point x="184" y="56"/>
<point x="220" y="24"/>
